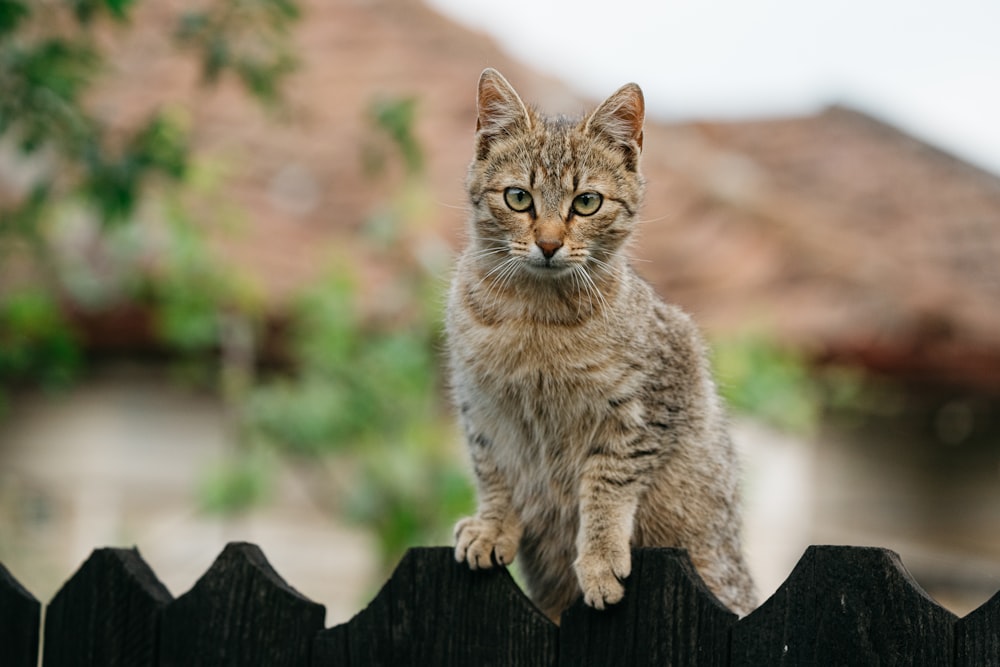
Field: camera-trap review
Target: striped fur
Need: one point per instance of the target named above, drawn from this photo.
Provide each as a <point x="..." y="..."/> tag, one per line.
<point x="591" y="416"/>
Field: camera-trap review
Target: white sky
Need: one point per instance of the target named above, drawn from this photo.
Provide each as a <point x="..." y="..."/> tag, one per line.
<point x="931" y="67"/>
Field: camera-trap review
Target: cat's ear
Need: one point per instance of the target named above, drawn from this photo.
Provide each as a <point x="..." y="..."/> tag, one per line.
<point x="501" y="111"/>
<point x="620" y="119"/>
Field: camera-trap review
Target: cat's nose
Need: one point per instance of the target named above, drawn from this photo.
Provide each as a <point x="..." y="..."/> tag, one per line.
<point x="548" y="248"/>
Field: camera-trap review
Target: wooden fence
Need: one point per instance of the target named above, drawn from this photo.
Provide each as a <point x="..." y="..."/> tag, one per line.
<point x="840" y="606"/>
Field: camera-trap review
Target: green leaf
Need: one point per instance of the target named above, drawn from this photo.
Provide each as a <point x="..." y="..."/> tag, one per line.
<point x="396" y="117"/>
<point x="162" y="145"/>
<point x="760" y="378"/>
<point x="119" y="8"/>
<point x="87" y="10"/>
<point x="238" y="485"/>
<point x="36" y="343"/>
<point x="247" y="38"/>
<point x="12" y="12"/>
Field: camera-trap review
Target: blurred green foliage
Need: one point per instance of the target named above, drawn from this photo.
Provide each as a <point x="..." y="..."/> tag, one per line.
<point x="36" y="345"/>
<point x="777" y="384"/>
<point x="239" y="483"/>
<point x="245" y="37"/>
<point x="393" y="119"/>
<point x="189" y="292"/>
<point x="50" y="57"/>
<point x="360" y="399"/>
<point x="75" y="166"/>
<point x="365" y="395"/>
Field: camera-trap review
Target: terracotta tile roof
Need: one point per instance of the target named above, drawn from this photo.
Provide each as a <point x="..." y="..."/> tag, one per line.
<point x="846" y="236"/>
<point x="351" y="54"/>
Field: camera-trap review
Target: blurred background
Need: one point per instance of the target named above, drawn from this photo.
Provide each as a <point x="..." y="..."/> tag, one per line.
<point x="226" y="229"/>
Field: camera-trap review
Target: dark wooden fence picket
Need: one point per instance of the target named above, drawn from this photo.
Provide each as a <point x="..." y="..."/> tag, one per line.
<point x="240" y="613"/>
<point x="977" y="636"/>
<point x="106" y="615"/>
<point x="668" y="617"/>
<point x="839" y="606"/>
<point x="846" y="606"/>
<point x="20" y="615"/>
<point x="434" y="611"/>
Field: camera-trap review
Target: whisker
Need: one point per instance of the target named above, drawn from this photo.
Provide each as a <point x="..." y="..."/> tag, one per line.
<point x="486" y="276"/>
<point x="579" y="280"/>
<point x="462" y="207"/>
<point x="501" y="267"/>
<point x="581" y="289"/>
<point x="606" y="267"/>
<point x="486" y="252"/>
<point x="501" y="275"/>
<point x="503" y="280"/>
<point x="643" y="221"/>
<point x="593" y="289"/>
<point x="490" y="245"/>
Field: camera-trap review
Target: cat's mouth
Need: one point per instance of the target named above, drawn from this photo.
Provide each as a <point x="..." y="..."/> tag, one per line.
<point x="547" y="266"/>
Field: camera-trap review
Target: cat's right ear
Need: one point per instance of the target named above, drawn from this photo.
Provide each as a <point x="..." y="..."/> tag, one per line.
<point x="501" y="111"/>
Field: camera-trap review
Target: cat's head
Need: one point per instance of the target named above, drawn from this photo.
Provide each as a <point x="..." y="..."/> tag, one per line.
<point x="551" y="195"/>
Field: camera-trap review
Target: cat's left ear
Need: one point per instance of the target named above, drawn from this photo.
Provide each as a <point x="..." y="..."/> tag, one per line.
<point x="620" y="119"/>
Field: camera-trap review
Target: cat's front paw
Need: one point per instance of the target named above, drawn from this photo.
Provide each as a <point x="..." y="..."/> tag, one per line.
<point x="480" y="543"/>
<point x="600" y="575"/>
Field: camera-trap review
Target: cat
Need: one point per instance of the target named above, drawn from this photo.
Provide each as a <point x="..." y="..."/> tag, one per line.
<point x="587" y="403"/>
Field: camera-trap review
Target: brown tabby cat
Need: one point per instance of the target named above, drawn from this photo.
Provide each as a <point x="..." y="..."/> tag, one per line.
<point x="588" y="405"/>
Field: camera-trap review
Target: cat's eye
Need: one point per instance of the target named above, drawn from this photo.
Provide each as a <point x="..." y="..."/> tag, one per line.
<point x="587" y="203"/>
<point x="517" y="199"/>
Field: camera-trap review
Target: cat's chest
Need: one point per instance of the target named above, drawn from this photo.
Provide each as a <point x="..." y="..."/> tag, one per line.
<point x="538" y="393"/>
<point x="539" y="385"/>
<point x="536" y="361"/>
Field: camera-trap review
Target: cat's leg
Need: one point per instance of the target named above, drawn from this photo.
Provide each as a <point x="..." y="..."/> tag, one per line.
<point x="493" y="534"/>
<point x="614" y="476"/>
<point x="608" y="500"/>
